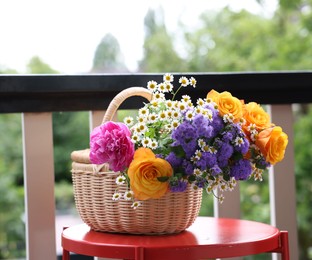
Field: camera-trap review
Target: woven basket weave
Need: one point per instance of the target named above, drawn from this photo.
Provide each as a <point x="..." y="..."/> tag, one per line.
<point x="95" y="185"/>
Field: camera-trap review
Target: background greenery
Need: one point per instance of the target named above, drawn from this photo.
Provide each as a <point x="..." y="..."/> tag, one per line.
<point x="225" y="41"/>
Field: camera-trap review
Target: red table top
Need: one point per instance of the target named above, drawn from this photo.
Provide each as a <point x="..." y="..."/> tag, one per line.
<point x="207" y="237"/>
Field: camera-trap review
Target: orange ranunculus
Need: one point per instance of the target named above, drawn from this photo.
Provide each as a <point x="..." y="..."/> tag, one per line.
<point x="143" y="173"/>
<point x="255" y="114"/>
<point x="227" y="104"/>
<point x="272" y="142"/>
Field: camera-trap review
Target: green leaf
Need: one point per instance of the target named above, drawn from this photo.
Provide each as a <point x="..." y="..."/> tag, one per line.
<point x="163" y="179"/>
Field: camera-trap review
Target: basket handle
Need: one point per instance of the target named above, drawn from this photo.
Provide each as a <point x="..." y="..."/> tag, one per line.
<point x="121" y="97"/>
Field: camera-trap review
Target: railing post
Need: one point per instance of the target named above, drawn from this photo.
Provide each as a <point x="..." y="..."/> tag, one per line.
<point x="282" y="182"/>
<point x="39" y="186"/>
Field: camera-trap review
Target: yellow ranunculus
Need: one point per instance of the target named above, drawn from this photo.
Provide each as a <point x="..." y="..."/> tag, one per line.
<point x="255" y="114"/>
<point x="272" y="142"/>
<point x="143" y="173"/>
<point x="227" y="104"/>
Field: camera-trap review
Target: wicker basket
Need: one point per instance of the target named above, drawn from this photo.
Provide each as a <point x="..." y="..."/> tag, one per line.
<point x="94" y="186"/>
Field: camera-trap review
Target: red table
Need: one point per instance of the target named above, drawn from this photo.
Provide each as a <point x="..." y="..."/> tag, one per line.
<point x="206" y="238"/>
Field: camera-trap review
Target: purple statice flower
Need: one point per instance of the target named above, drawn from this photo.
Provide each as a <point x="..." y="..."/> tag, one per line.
<point x="184" y="132"/>
<point x="217" y="125"/>
<point x="224" y="153"/>
<point x="202" y="125"/>
<point x="174" y="160"/>
<point x="185" y="136"/>
<point x="241" y="169"/>
<point x="215" y="170"/>
<point x="227" y="137"/>
<point x="178" y="185"/>
<point x="200" y="182"/>
<point x="207" y="160"/>
<point x="244" y="147"/>
<point x="188" y="167"/>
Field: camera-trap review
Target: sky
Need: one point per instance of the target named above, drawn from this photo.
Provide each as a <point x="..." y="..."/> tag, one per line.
<point x="65" y="33"/>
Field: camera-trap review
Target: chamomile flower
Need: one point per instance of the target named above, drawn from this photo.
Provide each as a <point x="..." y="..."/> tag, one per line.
<point x="143" y="112"/>
<point x="128" y="195"/>
<point x="194" y="186"/>
<point x="168" y="87"/>
<point x="200" y="102"/>
<point x="221" y="198"/>
<point x="184" y="81"/>
<point x="136" y="204"/>
<point x="152" y="85"/>
<point x="152" y="117"/>
<point x="238" y="141"/>
<point x="141" y="128"/>
<point x="135" y="138"/>
<point x="197" y="171"/>
<point x="209" y="189"/>
<point x="161" y="87"/>
<point x="201" y="143"/>
<point x="182" y="106"/>
<point x="120" y="180"/>
<point x="163" y="115"/>
<point x="146" y="142"/>
<point x="228" y="118"/>
<point x="153" y="144"/>
<point x="189" y="115"/>
<point x="168" y="77"/>
<point x="117" y="196"/>
<point x="128" y="120"/>
<point x="169" y="104"/>
<point x="193" y="82"/>
<point x="176" y="114"/>
<point x="159" y="96"/>
<point x="175" y="124"/>
<point x="186" y="98"/>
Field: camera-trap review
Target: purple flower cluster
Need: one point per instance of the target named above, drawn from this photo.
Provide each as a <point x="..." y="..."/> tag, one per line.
<point x="221" y="152"/>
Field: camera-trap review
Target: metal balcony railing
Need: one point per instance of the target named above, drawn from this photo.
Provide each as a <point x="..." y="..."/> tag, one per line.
<point x="37" y="96"/>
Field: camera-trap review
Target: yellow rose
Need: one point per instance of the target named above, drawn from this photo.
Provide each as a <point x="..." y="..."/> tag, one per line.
<point x="143" y="173"/>
<point x="272" y="142"/>
<point x="227" y="104"/>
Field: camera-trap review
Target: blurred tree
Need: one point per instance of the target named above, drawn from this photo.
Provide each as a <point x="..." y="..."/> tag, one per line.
<point x="37" y="66"/>
<point x="230" y="41"/>
<point x="108" y="56"/>
<point x="159" y="52"/>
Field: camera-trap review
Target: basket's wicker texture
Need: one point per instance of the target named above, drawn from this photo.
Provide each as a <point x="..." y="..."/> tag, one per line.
<point x="94" y="186"/>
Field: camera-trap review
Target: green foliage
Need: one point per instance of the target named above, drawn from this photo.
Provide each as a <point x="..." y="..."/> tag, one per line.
<point x="71" y="132"/>
<point x="37" y="66"/>
<point x="303" y="151"/>
<point x="12" y="237"/>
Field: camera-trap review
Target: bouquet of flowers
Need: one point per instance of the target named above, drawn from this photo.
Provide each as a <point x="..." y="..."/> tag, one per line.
<point x="210" y="144"/>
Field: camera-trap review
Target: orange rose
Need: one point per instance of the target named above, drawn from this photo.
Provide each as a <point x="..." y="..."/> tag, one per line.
<point x="255" y="114"/>
<point x="143" y="173"/>
<point x="272" y="143"/>
<point x="227" y="104"/>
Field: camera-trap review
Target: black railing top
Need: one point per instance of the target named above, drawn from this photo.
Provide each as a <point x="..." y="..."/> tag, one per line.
<point x="45" y="93"/>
